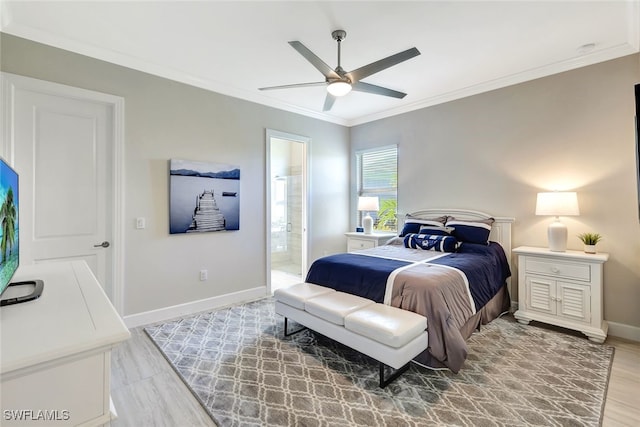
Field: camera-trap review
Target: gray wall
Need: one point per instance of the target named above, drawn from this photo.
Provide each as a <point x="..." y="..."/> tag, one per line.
<point x="164" y="120"/>
<point x="494" y="151"/>
<point x="490" y="152"/>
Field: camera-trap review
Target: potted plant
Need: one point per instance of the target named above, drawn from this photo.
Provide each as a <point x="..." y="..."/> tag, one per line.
<point x="590" y="240"/>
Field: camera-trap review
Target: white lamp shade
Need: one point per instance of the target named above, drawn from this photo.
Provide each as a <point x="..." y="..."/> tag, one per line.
<point x="369" y="204"/>
<point x="339" y="88"/>
<point x="557" y="203"/>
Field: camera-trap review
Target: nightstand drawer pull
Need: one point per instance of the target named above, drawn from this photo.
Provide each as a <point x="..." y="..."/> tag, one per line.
<point x="555" y="270"/>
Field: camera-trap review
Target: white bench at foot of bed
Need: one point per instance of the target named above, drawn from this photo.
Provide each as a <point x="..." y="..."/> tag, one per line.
<point x="390" y="335"/>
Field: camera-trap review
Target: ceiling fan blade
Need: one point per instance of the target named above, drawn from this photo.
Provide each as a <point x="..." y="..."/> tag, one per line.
<point x="382" y="64"/>
<point x="328" y="102"/>
<point x="326" y="71"/>
<point x="378" y="90"/>
<point x="294" y="85"/>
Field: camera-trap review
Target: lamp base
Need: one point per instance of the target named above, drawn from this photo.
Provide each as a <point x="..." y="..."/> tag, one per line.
<point x="557" y="235"/>
<point x="367" y="224"/>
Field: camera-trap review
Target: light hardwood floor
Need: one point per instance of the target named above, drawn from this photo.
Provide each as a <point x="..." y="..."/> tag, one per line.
<point x="147" y="392"/>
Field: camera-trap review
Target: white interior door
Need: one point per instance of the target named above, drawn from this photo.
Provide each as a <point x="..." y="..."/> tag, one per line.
<point x="62" y="148"/>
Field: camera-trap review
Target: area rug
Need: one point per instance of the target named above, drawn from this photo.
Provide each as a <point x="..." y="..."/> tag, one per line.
<point x="245" y="373"/>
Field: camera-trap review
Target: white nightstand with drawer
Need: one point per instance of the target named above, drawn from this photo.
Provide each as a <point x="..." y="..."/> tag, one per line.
<point x="563" y="289"/>
<point x="357" y="241"/>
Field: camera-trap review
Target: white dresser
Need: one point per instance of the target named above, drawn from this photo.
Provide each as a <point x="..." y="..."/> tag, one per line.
<point x="563" y="289"/>
<point x="357" y="241"/>
<point x="55" y="351"/>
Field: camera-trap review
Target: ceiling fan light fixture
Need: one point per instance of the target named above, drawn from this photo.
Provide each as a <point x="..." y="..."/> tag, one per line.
<point x="340" y="82"/>
<point x="339" y="88"/>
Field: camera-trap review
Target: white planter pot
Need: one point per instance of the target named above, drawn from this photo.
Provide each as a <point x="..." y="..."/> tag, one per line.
<point x="590" y="249"/>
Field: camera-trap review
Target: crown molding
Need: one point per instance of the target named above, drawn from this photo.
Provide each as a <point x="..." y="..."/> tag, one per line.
<point x="128" y="61"/>
<point x="632" y="46"/>
<point x="525" y="76"/>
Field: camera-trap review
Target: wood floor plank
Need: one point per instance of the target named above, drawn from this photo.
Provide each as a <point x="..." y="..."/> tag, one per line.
<point x="136" y="359"/>
<point x="146" y="391"/>
<point x="161" y="400"/>
<point x="618" y="414"/>
<point x="622" y="407"/>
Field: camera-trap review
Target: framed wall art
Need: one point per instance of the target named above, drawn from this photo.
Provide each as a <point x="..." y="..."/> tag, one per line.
<point x="203" y="197"/>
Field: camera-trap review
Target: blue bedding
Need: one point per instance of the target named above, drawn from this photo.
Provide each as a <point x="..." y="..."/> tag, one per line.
<point x="361" y="275"/>
<point x="430" y="285"/>
<point x="485" y="267"/>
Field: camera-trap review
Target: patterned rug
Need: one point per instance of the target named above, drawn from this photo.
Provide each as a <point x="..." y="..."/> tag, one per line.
<point x="245" y="373"/>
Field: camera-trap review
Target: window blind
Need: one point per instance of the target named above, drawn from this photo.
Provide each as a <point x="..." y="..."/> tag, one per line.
<point x="377" y="171"/>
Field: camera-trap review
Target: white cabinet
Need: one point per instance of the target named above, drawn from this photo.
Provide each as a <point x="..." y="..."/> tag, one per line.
<point x="55" y="351"/>
<point x="563" y="289"/>
<point x="357" y="241"/>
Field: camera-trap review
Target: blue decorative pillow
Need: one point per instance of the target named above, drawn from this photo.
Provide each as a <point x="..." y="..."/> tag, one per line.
<point x="430" y="242"/>
<point x="412" y="224"/>
<point x="438" y="231"/>
<point x="475" y="231"/>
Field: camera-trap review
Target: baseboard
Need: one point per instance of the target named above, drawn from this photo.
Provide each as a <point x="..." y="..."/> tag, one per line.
<point x="620" y="330"/>
<point x="166" y="313"/>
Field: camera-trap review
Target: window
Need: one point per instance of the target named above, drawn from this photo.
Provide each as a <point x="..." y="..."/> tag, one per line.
<point x="377" y="175"/>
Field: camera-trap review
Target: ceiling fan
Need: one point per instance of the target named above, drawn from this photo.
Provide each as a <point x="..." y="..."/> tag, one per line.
<point x="340" y="82"/>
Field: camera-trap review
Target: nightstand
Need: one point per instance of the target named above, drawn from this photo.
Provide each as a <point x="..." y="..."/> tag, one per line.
<point x="563" y="289"/>
<point x="357" y="241"/>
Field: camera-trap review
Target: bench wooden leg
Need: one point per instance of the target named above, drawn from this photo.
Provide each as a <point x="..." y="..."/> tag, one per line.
<point x="395" y="374"/>
<point x="287" y="333"/>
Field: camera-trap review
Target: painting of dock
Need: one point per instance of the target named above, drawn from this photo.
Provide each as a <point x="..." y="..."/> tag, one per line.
<point x="204" y="197"/>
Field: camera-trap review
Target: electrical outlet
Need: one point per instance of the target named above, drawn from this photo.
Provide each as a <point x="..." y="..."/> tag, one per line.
<point x="204" y="275"/>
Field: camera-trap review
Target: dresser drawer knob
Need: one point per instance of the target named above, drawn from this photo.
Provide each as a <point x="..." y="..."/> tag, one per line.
<point x="555" y="270"/>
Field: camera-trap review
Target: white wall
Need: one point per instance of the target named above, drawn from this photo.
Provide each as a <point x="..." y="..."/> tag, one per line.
<point x="166" y="119"/>
<point x="494" y="151"/>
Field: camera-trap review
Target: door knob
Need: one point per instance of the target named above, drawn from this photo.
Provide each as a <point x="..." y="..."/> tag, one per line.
<point x="104" y="244"/>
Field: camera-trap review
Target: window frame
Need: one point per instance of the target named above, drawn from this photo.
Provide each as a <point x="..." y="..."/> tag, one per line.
<point x="381" y="192"/>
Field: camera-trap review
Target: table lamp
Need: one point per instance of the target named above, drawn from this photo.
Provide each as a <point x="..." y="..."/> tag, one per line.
<point x="557" y="203"/>
<point x="368" y="204"/>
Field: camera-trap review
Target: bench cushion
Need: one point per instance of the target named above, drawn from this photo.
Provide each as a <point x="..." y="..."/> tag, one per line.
<point x="333" y="307"/>
<point x="296" y="295"/>
<point x="388" y="325"/>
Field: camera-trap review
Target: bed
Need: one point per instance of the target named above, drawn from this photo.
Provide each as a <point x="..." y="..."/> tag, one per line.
<point x="450" y="265"/>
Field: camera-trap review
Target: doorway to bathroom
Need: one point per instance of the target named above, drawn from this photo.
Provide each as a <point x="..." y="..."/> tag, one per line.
<point x="287" y="172"/>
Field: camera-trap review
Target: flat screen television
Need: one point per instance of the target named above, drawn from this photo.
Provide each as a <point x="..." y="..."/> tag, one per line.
<point x="10" y="240"/>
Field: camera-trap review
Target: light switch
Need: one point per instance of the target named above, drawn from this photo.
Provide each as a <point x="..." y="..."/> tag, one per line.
<point x="140" y="223"/>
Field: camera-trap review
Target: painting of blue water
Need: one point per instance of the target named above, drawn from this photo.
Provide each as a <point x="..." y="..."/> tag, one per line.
<point x="203" y="197"/>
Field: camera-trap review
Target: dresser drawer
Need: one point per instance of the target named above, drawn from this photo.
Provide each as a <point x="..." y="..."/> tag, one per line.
<point x="357" y="244"/>
<point x="559" y="268"/>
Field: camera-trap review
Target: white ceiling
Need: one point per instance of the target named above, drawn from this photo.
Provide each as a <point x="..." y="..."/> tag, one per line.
<point x="234" y="47"/>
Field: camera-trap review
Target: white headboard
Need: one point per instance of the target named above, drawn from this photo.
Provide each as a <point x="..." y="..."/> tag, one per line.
<point x="500" y="230"/>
